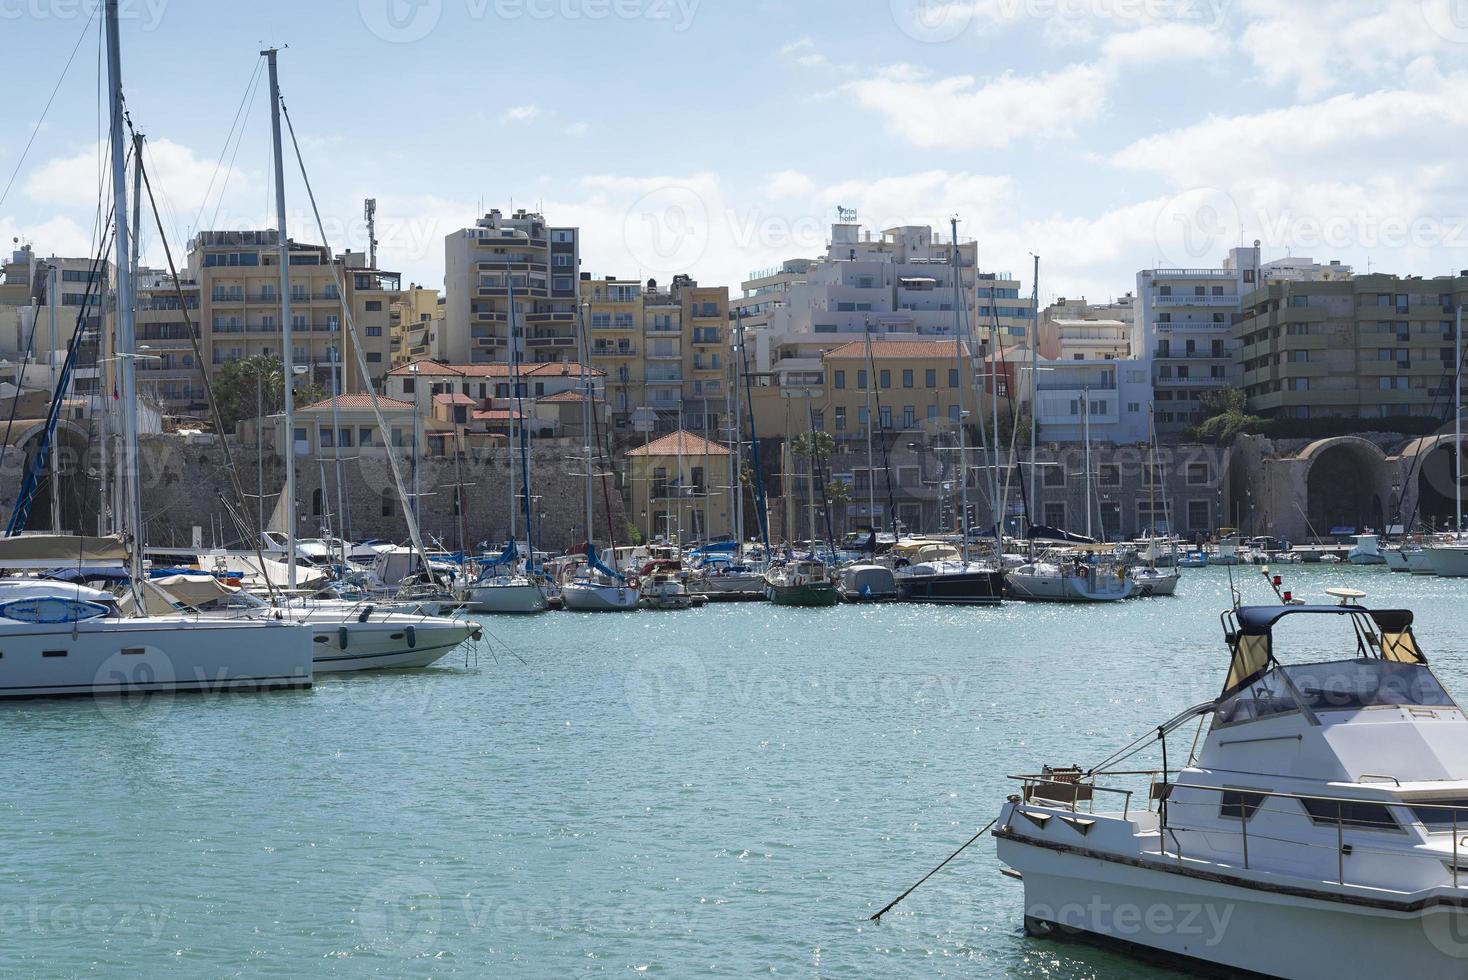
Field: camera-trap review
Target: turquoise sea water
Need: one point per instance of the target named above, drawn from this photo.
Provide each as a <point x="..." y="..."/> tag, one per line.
<point x="725" y="791"/>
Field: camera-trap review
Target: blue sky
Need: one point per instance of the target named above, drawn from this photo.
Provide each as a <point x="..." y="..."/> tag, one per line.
<point x="715" y="137"/>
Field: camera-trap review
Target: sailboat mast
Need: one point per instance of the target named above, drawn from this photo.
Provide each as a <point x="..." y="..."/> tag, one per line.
<point x="336" y="391"/>
<point x="126" y="340"/>
<point x="1034" y="387"/>
<point x="1458" y="425"/>
<point x="287" y="342"/>
<point x="586" y="410"/>
<point x="958" y="362"/>
<point x="52" y="296"/>
<point x="1086" y="429"/>
<point x="871" y="418"/>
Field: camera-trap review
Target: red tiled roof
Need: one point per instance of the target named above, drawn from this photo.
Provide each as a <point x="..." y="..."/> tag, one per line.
<point x="895" y="349"/>
<point x="431" y="368"/>
<point x="454" y="400"/>
<point x="356" y="401"/>
<point x="498" y="415"/>
<point x="693" y="444"/>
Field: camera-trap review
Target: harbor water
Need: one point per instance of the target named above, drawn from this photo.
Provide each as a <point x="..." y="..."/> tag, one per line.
<point x="722" y="791"/>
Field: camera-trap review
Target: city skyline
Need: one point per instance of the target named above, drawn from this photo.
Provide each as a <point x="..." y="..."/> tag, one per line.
<point x="1080" y="139"/>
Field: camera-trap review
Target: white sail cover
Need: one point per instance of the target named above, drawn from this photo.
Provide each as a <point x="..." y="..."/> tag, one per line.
<point x="53" y="550"/>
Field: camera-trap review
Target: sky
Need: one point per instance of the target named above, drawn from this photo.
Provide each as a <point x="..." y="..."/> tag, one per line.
<point x="717" y="137"/>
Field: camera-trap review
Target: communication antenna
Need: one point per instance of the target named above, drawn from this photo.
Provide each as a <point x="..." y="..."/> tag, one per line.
<point x="369" y="211"/>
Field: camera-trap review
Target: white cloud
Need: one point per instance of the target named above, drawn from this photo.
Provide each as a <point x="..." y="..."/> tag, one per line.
<point x="578" y="129"/>
<point x="520" y="113"/>
<point x="962" y="111"/>
<point x="789" y="183"/>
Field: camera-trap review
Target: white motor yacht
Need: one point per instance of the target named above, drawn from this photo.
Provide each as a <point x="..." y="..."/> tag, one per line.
<point x="1316" y="832"/>
<point x="665" y="590"/>
<point x="1448" y="560"/>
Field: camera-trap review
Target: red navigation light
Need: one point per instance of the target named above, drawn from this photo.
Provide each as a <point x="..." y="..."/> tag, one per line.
<point x="1289" y="597"/>
<point x="1279" y="580"/>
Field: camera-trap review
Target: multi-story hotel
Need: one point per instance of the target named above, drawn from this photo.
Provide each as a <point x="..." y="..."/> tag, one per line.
<point x="501" y="256"/>
<point x="1372" y="346"/>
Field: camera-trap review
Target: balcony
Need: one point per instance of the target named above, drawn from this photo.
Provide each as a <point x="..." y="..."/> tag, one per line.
<point x="1226" y="301"/>
<point x="1191" y="382"/>
<point x="613" y="351"/>
<point x="1190" y="326"/>
<point x="659" y="355"/>
<point x="543" y="343"/>
<point x="664" y="377"/>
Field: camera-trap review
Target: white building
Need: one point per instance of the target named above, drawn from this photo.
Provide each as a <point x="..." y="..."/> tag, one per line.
<point x="899" y="286"/>
<point x="1116" y="394"/>
<point x="1182" y="328"/>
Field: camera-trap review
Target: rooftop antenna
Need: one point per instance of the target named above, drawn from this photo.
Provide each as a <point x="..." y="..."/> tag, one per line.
<point x="369" y="211"/>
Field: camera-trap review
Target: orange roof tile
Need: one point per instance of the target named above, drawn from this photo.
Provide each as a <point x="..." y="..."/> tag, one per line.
<point x="431" y="368"/>
<point x="356" y="401"/>
<point x="454" y="399"/>
<point x="693" y="444"/>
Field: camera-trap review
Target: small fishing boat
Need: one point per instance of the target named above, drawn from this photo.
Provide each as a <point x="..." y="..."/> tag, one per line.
<point x="1367" y="551"/>
<point x="664" y="590"/>
<point x="803" y="582"/>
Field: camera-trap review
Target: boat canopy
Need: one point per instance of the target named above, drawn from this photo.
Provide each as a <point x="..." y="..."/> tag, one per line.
<point x="52" y="550"/>
<point x="167" y="595"/>
<point x="1249" y="630"/>
<point x="596" y="563"/>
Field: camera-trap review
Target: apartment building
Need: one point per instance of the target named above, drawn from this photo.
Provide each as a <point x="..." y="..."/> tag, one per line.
<point x="1182" y="329"/>
<point x="500" y="257"/>
<point x="168" y="368"/>
<point x="1370" y="346"/>
<point x="238" y="281"/>
<point x="706" y="352"/>
<point x="1075" y="330"/>
<point x="414" y="324"/>
<point x="614" y="321"/>
<point x="1103" y="400"/>
<point x="767" y="289"/>
<point x="905" y="383"/>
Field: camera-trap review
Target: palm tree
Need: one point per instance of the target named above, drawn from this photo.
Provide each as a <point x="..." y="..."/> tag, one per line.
<point x="839" y="493"/>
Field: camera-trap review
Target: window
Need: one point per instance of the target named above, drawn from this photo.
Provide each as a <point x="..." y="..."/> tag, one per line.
<point x="1239" y="804"/>
<point x="1442" y="816"/>
<point x="1200" y="515"/>
<point x="862" y="415"/>
<point x="1351" y="813"/>
<point x="374" y="306"/>
<point x="1055" y="515"/>
<point x="1108" y="475"/>
<point x="861" y="378"/>
<point x="1197" y="474"/>
<point x="1054" y="476"/>
<point x="838" y="379"/>
<point x="374" y="357"/>
<point x="409" y="384"/>
<point x="840" y="419"/>
<point x="909" y="416"/>
<point x="374" y="331"/>
<point x="344" y="439"/>
<point x="953" y="377"/>
<point x="387" y="502"/>
<point x="907" y="378"/>
<point x="364" y="436"/>
<point x="316" y="502"/>
<point x="886" y="378"/>
<point x="930" y="378"/>
<point x="885" y="417"/>
<point x="327" y="439"/>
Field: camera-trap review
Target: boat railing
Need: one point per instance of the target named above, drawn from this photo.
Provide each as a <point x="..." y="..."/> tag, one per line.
<point x="1234" y="809"/>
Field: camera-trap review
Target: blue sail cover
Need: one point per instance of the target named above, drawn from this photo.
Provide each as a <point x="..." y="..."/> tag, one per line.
<point x="595" y="562"/>
<point x="505" y="557"/>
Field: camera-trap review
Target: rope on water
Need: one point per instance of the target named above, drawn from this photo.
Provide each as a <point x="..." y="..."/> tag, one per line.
<point x="888" y="907"/>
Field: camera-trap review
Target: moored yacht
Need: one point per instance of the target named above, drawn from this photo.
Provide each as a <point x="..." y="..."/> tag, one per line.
<point x="1315" y="833"/>
<point x="801" y="582"/>
<point x="1070" y="581"/>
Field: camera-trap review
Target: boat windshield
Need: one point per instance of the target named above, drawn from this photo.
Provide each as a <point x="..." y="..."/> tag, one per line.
<point x="1336" y="686"/>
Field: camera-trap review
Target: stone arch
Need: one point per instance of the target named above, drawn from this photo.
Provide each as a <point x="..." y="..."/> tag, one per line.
<point x="1344" y="485"/>
<point x="1429" y="467"/>
<point x="72" y="445"/>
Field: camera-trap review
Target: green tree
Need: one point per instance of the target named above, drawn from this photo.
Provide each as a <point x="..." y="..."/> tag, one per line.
<point x="839" y="493"/>
<point x="255" y="386"/>
<point x="1225" y="416"/>
<point x="823" y="444"/>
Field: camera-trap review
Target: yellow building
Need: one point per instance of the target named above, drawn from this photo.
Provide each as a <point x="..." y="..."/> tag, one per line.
<point x="680" y="488"/>
<point x="238" y="278"/>
<point x="915" y="381"/>
<point x="706" y="349"/>
<point x="614" y="320"/>
<point x="413" y="319"/>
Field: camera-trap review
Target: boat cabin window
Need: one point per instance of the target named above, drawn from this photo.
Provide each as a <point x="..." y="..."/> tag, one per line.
<point x="1353" y="684"/>
<point x="1239" y="804"/>
<point x="1439" y="817"/>
<point x="1351" y="813"/>
<point x="1269" y="695"/>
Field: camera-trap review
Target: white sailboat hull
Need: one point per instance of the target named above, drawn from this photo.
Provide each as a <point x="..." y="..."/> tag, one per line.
<point x="522" y="598"/>
<point x="1448" y="561"/>
<point x="583" y="597"/>
<point x="152" y="654"/>
<point x="1047" y="587"/>
<point x="395" y="643"/>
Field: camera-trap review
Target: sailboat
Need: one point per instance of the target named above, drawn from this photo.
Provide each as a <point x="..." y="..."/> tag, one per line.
<point x="806" y="581"/>
<point x="1450" y="560"/>
<point x="595" y="587"/>
<point x="1149" y="579"/>
<point x="61" y="639"/>
<point x="506" y="584"/>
